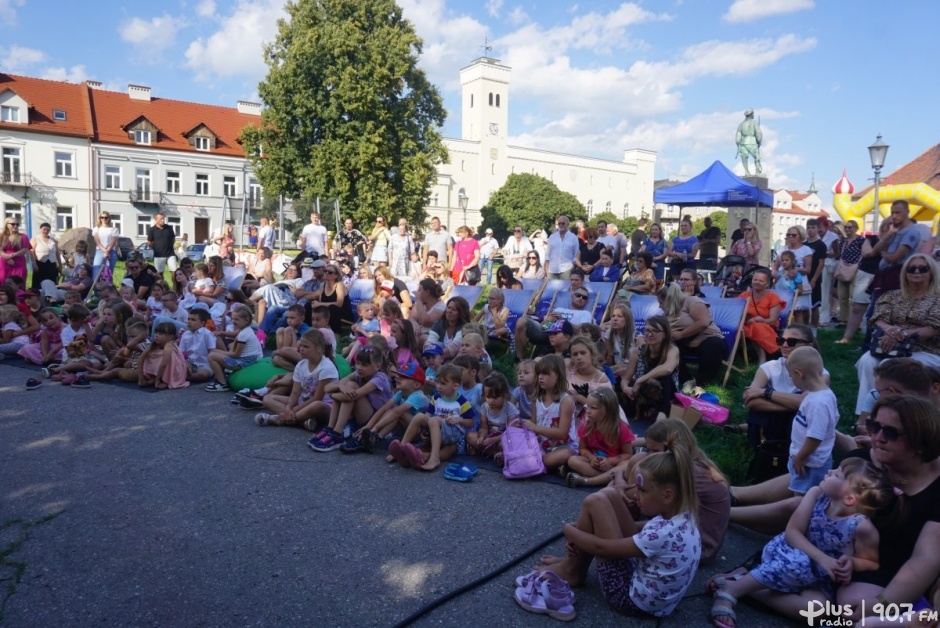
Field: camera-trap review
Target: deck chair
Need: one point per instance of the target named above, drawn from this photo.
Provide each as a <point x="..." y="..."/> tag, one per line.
<point x="545" y="298"/>
<point x="518" y="302"/>
<point x="533" y="284"/>
<point x="713" y="292"/>
<point x="470" y="293"/>
<point x="728" y="315"/>
<point x="786" y="313"/>
<point x="360" y="290"/>
<point x="643" y="307"/>
<point x="603" y="292"/>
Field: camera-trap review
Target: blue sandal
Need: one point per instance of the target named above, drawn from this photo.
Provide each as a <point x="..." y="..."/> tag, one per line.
<point x="467" y="468"/>
<point x="458" y="473"/>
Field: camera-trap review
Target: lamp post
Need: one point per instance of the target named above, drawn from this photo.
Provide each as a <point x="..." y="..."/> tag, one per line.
<point x="877" y="152"/>
<point x="463" y="200"/>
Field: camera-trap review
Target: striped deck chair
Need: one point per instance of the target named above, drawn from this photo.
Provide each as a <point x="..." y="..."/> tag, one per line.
<point x="713" y="292"/>
<point x="547" y="296"/>
<point x="643" y="307"/>
<point x="603" y="291"/>
<point x="533" y="284"/>
<point x="470" y="293"/>
<point x="518" y="302"/>
<point x="728" y="315"/>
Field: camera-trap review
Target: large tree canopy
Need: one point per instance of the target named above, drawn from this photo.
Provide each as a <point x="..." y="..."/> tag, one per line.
<point x="348" y="114"/>
<point x="530" y="201"/>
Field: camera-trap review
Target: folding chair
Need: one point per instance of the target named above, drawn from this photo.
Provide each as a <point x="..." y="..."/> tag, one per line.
<point x="713" y="292"/>
<point x="470" y="293"/>
<point x="729" y="315"/>
<point x="533" y="284"/>
<point x="360" y="290"/>
<point x="545" y="298"/>
<point x="643" y="307"/>
<point x="518" y="302"/>
<point x="603" y="291"/>
<point x="786" y="312"/>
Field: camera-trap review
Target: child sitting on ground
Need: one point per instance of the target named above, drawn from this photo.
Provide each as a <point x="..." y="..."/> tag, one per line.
<point x="470" y="387"/>
<point x="495" y="414"/>
<point x="814" y="427"/>
<point x="830" y="535"/>
<point x="368" y="324"/>
<point x="286" y="355"/>
<point x="124" y="364"/>
<point x="605" y="442"/>
<point x="398" y="411"/>
<point x="524" y="392"/>
<point x="196" y="344"/>
<point x="320" y="319"/>
<point x="161" y="364"/>
<point x="306" y="402"/>
<point x="553" y="413"/>
<point x="433" y="355"/>
<point x="12" y="321"/>
<point x="172" y="312"/>
<point x="407" y="350"/>
<point x="471" y="343"/>
<point x="49" y="348"/>
<point x="245" y="351"/>
<point x="453" y="416"/>
<point x="155" y="300"/>
<point x="84" y="355"/>
<point x="203" y="285"/>
<point x="357" y="397"/>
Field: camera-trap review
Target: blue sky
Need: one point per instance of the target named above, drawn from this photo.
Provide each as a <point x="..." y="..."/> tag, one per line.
<point x="590" y="78"/>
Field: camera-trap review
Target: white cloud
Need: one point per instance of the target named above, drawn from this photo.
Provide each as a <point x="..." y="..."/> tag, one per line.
<point x="749" y="10"/>
<point x="236" y="48"/>
<point x="518" y="16"/>
<point x="151" y="37"/>
<point x="206" y="8"/>
<point x="493" y="7"/>
<point x="17" y="59"/>
<point x="8" y="11"/>
<point x="75" y="74"/>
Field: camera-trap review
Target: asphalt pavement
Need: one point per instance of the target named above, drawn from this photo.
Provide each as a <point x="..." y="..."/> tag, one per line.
<point x="128" y="508"/>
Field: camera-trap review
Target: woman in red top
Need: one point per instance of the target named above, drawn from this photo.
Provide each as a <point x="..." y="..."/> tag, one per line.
<point x="15" y="248"/>
<point x="466" y="254"/>
<point x="763" y="314"/>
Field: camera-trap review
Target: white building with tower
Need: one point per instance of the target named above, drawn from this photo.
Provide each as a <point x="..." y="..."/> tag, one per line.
<point x="482" y="159"/>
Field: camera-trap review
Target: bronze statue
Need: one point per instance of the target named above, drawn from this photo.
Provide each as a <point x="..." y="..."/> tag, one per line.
<point x="748" y="138"/>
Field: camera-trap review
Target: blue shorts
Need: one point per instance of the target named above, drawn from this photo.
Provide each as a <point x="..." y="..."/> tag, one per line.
<point x="814" y="476"/>
<point x="239" y="362"/>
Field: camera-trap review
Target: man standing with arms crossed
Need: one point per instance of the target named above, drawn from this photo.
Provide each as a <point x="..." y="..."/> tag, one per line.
<point x="161" y="238"/>
<point x="563" y="248"/>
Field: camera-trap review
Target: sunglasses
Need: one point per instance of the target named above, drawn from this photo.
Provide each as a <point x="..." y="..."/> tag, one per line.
<point x="329" y="272"/>
<point x="917" y="270"/>
<point x="792" y="235"/>
<point x="518" y="230"/>
<point x="14" y="224"/>
<point x="579" y="295"/>
<point x="649" y="331"/>
<point x="748" y="230"/>
<point x="534" y="258"/>
<point x="891" y="434"/>
<point x="791" y="342"/>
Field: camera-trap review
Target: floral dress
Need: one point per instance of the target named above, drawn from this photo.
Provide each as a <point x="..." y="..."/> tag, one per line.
<point x="550" y="416"/>
<point x="400" y="253"/>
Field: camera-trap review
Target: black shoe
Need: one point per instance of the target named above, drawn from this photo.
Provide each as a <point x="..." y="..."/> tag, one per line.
<point x="368" y="441"/>
<point x="351" y="445"/>
<point x="32" y="383"/>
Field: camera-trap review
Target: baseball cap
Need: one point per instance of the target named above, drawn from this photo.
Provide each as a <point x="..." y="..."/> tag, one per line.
<point x="128" y="282"/>
<point x="33" y="293"/>
<point x="199" y="306"/>
<point x="561" y="327"/>
<point x="433" y="348"/>
<point x="412" y="370"/>
<point x="388" y="285"/>
<point x="489" y="232"/>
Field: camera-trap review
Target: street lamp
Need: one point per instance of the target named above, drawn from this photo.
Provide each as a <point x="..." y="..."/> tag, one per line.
<point x="877" y="152"/>
<point x="463" y="200"/>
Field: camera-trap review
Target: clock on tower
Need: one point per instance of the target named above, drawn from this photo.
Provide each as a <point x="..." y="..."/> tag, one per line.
<point x="494" y="128"/>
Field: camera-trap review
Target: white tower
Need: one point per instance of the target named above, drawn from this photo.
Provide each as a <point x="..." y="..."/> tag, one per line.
<point x="485" y="99"/>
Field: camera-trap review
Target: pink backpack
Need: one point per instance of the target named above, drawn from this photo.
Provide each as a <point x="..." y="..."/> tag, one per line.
<point x="522" y="454"/>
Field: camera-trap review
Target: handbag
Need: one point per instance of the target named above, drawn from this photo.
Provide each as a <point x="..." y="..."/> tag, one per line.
<point x="472" y="275"/>
<point x="712" y="413"/>
<point x="845" y="272"/>
<point x="522" y="456"/>
<point x="902" y="349"/>
<point x="769" y="461"/>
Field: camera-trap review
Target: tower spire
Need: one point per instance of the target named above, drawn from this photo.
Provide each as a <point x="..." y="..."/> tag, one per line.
<point x="487" y="48"/>
<point x="812" y="185"/>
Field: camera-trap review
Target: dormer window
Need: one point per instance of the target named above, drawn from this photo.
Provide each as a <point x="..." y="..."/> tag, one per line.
<point x="201" y="142"/>
<point x="142" y="131"/>
<point x="202" y="138"/>
<point x="58" y="115"/>
<point x="9" y="114"/>
<point x="142" y="136"/>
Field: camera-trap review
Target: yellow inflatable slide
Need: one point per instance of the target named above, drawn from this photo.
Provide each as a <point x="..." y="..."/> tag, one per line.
<point x="924" y="201"/>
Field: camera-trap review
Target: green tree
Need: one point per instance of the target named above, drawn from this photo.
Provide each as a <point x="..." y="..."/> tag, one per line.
<point x="719" y="219"/>
<point x="530" y="201"/>
<point x="348" y="114"/>
<point x="626" y="226"/>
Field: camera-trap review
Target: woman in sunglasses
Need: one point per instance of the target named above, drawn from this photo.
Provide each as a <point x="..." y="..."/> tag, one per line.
<point x="906" y="322"/>
<point x="516" y="249"/>
<point x="749" y="245"/>
<point x="15" y="248"/>
<point x="333" y="295"/>
<point x="378" y="241"/>
<point x="532" y="267"/>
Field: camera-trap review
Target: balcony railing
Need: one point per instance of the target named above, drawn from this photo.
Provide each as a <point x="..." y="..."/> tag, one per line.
<point x="145" y="197"/>
<point x="13" y="178"/>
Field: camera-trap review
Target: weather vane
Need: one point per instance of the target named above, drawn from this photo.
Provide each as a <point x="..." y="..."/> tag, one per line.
<point x="487" y="48"/>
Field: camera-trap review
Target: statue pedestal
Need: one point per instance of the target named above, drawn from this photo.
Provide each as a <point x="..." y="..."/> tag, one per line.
<point x="760" y="216"/>
<point x="759" y="181"/>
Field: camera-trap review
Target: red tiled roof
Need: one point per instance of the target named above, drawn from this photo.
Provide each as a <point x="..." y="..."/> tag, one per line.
<point x="115" y="110"/>
<point x="797" y="196"/>
<point x="43" y="96"/>
<point x="923" y="169"/>
<point x="799" y="211"/>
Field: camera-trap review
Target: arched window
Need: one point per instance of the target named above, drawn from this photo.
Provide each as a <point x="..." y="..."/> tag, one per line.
<point x="608" y="206"/>
<point x="497" y="100"/>
<point x="491" y="99"/>
<point x="590" y="207"/>
<point x="471" y="101"/>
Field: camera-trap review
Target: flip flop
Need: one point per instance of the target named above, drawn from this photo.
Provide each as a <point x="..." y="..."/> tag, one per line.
<point x="457" y="474"/>
<point x="413" y="454"/>
<point x="398" y="453"/>
<point x="466" y="468"/>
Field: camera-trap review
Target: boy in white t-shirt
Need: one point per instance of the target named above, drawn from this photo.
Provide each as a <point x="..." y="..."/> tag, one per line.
<point x="196" y="344"/>
<point x="245" y="351"/>
<point x="814" y="426"/>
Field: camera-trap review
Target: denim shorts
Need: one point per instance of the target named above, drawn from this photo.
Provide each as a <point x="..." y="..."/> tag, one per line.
<point x="239" y="362"/>
<point x="814" y="476"/>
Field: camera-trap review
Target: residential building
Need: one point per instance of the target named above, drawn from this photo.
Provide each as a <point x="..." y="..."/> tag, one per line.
<point x="792" y="207"/>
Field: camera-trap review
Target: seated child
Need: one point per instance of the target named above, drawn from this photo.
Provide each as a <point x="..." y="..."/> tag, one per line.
<point x="286" y="355"/>
<point x="470" y="387"/>
<point x="49" y="348"/>
<point x="245" y="351"/>
<point x="320" y="319"/>
<point x="124" y="364"/>
<point x="433" y="355"/>
<point x="161" y="364"/>
<point x="357" y="397"/>
<point x="522" y="394"/>
<point x="398" y="411"/>
<point x="605" y="442"/>
<point x="453" y="416"/>
<point x="196" y="344"/>
<point x="12" y="321"/>
<point x="368" y="324"/>
<point x="495" y="414"/>
<point x="306" y="402"/>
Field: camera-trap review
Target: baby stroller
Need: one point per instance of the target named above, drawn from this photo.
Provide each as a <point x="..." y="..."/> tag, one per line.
<point x="735" y="274"/>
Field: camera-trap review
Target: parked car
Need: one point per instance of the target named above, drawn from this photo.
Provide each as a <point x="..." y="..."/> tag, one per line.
<point x="196" y="252"/>
<point x="145" y="251"/>
<point x="125" y="247"/>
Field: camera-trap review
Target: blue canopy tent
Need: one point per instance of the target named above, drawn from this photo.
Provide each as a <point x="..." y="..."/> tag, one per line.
<point x="716" y="186"/>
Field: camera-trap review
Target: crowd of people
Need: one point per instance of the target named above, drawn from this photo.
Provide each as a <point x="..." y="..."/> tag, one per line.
<point x="411" y="372"/>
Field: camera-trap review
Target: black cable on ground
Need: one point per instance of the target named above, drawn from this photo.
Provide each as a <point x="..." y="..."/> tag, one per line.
<point x="427" y="608"/>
